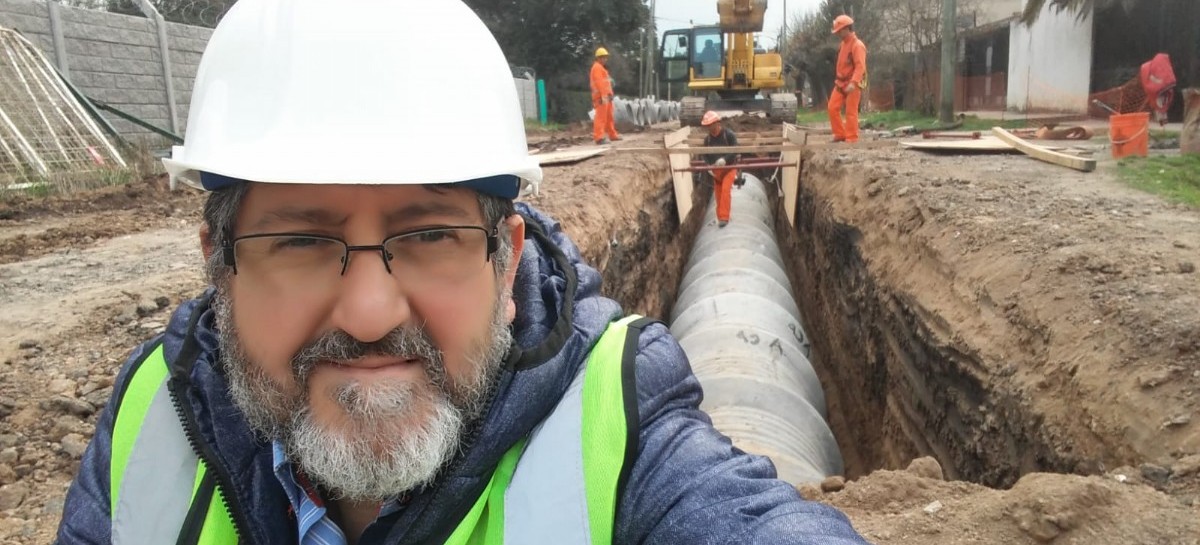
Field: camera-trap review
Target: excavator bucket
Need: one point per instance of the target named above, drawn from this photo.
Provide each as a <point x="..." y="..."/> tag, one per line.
<point x="742" y="15"/>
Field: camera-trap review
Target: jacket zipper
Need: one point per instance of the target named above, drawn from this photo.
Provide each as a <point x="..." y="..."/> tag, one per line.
<point x="224" y="481"/>
<point x="177" y="380"/>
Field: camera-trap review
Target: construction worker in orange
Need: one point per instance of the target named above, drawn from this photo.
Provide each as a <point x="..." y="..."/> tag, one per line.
<point x="603" y="127"/>
<point x="850" y="76"/>
<point x="723" y="178"/>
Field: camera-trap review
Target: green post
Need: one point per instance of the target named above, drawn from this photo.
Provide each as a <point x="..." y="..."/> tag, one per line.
<point x="541" y="92"/>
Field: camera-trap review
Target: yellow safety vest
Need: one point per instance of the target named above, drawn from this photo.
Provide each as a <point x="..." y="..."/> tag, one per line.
<point x="162" y="492"/>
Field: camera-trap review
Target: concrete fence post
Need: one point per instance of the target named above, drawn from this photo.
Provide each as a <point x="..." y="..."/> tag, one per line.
<point x="164" y="53"/>
<point x="164" y="48"/>
<point x="56" y="34"/>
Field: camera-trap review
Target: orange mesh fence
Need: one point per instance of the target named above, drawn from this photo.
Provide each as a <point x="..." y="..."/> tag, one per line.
<point x="1126" y="98"/>
<point x="881" y="97"/>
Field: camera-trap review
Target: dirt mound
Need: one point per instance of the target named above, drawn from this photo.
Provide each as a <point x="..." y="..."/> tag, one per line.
<point x="34" y="226"/>
<point x="556" y="142"/>
<point x="910" y="506"/>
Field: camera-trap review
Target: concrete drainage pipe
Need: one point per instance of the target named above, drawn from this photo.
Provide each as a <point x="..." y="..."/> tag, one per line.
<point x="736" y="317"/>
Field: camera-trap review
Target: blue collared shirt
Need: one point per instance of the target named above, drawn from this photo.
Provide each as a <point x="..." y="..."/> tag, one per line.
<point x="312" y="520"/>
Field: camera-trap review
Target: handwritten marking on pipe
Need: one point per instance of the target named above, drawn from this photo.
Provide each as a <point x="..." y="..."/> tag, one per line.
<point x="776" y="347"/>
<point x="751" y="339"/>
<point x="797" y="332"/>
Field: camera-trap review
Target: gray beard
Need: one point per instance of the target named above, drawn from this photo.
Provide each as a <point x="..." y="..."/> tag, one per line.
<point x="382" y="448"/>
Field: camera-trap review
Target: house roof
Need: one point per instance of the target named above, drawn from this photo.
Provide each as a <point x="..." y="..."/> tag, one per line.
<point x="989" y="28"/>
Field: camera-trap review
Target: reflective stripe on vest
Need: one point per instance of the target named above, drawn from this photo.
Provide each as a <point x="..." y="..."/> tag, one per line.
<point x="560" y="485"/>
<point x="156" y="477"/>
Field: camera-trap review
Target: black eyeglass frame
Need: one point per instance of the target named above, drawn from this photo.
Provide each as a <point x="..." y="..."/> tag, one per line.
<point x="493" y="244"/>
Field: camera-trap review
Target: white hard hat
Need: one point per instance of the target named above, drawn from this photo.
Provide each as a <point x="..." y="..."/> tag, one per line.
<point x="355" y="92"/>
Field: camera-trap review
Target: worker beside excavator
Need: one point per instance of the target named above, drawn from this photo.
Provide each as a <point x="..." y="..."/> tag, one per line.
<point x="723" y="179"/>
<point x="604" y="127"/>
<point x="391" y="350"/>
<point x="850" y="78"/>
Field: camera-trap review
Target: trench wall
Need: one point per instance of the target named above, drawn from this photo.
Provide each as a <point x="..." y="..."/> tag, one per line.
<point x="897" y="383"/>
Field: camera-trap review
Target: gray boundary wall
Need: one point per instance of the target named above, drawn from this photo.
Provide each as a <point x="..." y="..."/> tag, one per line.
<point x="115" y="59"/>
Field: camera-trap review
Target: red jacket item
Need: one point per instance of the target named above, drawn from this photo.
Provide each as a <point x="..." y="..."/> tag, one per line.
<point x="1158" y="80"/>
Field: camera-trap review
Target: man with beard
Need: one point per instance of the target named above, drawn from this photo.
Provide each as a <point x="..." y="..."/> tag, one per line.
<point x="392" y="351"/>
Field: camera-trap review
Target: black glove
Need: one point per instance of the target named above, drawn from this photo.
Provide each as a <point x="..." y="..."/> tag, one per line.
<point x="740" y="180"/>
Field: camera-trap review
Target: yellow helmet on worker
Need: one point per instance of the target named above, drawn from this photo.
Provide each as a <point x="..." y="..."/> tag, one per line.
<point x="840" y="22"/>
<point x="709" y="118"/>
<point x="601" y="52"/>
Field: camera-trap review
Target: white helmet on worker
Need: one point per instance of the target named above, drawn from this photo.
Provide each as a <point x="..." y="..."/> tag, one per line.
<point x="348" y="92"/>
<point x="709" y="118"/>
<point x="840" y="22"/>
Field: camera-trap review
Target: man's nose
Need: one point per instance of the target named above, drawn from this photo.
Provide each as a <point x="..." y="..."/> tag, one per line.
<point x="370" y="301"/>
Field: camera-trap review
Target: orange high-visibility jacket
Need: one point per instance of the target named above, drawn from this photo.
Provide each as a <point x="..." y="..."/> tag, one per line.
<point x="601" y="86"/>
<point x="852" y="61"/>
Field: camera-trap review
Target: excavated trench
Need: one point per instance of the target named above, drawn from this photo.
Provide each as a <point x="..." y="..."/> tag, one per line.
<point x="890" y="393"/>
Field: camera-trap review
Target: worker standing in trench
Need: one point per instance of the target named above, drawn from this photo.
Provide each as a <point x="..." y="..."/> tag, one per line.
<point x="603" y="125"/>
<point x="850" y="78"/>
<point x="723" y="179"/>
<point x="391" y="350"/>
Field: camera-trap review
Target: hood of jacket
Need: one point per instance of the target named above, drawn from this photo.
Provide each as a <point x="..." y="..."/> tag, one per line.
<point x="560" y="315"/>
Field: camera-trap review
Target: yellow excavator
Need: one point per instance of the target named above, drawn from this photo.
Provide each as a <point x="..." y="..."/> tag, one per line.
<point x="723" y="68"/>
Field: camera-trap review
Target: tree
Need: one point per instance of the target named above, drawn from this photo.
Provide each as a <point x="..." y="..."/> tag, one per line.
<point x="551" y="36"/>
<point x="205" y="13"/>
<point x="557" y="37"/>
<point x="1033" y="8"/>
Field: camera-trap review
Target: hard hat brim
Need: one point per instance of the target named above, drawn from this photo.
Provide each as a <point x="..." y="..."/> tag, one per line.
<point x="505" y="186"/>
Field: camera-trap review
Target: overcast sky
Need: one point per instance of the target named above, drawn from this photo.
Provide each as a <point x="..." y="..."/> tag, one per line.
<point x="674" y="14"/>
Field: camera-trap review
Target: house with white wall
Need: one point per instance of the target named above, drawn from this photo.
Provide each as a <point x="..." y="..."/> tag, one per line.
<point x="1050" y="63"/>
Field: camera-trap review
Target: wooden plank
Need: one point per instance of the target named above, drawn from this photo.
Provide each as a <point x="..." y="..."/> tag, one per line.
<point x="675" y="138"/>
<point x="768" y="148"/>
<point x="567" y="156"/>
<point x="861" y="144"/>
<point x="748" y="140"/>
<point x="683" y="184"/>
<point x="791" y="174"/>
<point x="682" y="181"/>
<point x="985" y="143"/>
<point x="701" y="150"/>
<point x="740" y="166"/>
<point x="1042" y="153"/>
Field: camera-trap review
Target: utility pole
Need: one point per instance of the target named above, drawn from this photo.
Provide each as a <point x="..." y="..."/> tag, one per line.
<point x="783" y="38"/>
<point x="642" y="64"/>
<point x="649" y="41"/>
<point x="949" y="53"/>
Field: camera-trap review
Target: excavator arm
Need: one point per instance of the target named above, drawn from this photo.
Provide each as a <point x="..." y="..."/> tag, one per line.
<point x="741" y="15"/>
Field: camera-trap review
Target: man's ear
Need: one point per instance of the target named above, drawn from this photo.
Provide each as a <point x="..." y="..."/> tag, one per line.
<point x="516" y="229"/>
<point x="206" y="242"/>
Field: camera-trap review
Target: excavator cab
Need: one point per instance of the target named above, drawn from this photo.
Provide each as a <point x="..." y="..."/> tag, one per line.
<point x="693" y="54"/>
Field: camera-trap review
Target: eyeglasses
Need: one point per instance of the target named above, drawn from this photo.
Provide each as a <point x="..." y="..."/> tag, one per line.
<point x="443" y="253"/>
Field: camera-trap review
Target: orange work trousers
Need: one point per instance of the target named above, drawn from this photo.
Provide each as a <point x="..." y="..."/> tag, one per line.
<point x="603" y="122"/>
<point x="723" y="188"/>
<point x="844" y="130"/>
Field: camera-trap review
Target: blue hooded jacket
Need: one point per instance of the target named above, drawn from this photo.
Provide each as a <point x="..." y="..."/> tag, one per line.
<point x="688" y="485"/>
